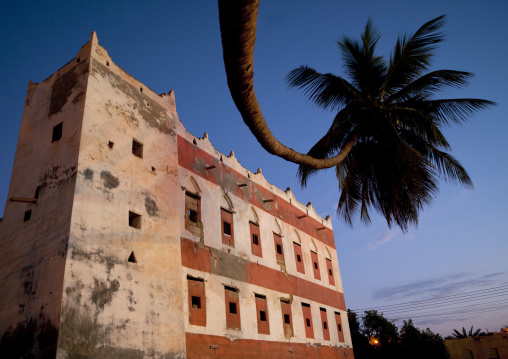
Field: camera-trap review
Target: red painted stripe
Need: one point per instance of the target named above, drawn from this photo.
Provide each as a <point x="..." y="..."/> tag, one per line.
<point x="211" y="346"/>
<point x="192" y="158"/>
<point x="200" y="259"/>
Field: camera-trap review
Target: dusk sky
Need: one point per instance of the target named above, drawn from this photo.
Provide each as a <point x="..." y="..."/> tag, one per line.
<point x="461" y="243"/>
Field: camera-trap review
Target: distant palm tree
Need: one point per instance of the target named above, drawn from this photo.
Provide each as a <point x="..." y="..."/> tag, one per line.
<point x="385" y="140"/>
<point x="464" y="334"/>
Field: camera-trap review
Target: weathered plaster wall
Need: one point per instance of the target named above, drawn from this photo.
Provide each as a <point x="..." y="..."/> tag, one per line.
<point x="33" y="251"/>
<point x="480" y="347"/>
<point x="81" y="281"/>
<point x="111" y="307"/>
<point x="212" y="175"/>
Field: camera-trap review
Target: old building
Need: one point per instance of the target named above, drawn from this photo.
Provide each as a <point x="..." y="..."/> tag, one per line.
<point x="124" y="236"/>
<point x="491" y="346"/>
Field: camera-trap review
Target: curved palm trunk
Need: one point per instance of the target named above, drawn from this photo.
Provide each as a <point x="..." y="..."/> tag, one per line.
<point x="238" y="31"/>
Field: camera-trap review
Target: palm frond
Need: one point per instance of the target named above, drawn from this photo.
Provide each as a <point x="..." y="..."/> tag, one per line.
<point x="412" y="55"/>
<point x="325" y="90"/>
<point x="457" y="111"/>
<point x="365" y="69"/>
<point x="431" y="83"/>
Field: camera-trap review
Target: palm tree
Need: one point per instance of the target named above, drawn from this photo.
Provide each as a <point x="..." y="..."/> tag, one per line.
<point x="465" y="334"/>
<point x="385" y="140"/>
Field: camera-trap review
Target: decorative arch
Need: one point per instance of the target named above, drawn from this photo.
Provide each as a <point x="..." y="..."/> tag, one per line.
<point x="226" y="203"/>
<point x="313" y="246"/>
<point x="191" y="185"/>
<point x="276" y="228"/>
<point x="295" y="237"/>
<point x="253" y="216"/>
<point x="327" y="254"/>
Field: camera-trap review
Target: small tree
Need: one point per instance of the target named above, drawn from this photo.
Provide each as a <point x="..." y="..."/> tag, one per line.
<point x="409" y="342"/>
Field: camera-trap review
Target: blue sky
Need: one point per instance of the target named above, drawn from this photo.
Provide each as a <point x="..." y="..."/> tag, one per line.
<point x="461" y="242"/>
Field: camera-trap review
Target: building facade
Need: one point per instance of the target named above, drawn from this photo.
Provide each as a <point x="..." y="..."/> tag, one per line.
<point x="124" y="236"/>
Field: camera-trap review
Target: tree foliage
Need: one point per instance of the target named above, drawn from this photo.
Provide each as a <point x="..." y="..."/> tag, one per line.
<point x="392" y="110"/>
<point x="464" y="334"/>
<point x="379" y="338"/>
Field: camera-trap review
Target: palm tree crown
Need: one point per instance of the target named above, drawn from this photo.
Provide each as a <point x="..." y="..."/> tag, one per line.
<point x="389" y="109"/>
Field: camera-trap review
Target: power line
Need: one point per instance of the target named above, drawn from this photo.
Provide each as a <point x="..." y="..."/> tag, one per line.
<point x="462" y="296"/>
<point x="445" y="303"/>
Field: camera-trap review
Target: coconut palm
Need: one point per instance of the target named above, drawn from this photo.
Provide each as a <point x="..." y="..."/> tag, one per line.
<point x="385" y="140"/>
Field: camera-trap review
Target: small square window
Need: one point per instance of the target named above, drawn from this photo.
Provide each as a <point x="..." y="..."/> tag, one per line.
<point x="330" y="272"/>
<point x="255" y="239"/>
<point x="339" y="327"/>
<point x="57" y="132"/>
<point x="28" y="215"/>
<point x="232" y="308"/>
<point x="227" y="228"/>
<point x="315" y="265"/>
<point x="262" y="316"/>
<point x="279" y="249"/>
<point x="298" y="258"/>
<point x="134" y="220"/>
<point x="325" y="326"/>
<point x="196" y="302"/>
<point x="137" y="148"/>
<point x="193" y="216"/>
<point x="307" y="321"/>
<point x="287" y="320"/>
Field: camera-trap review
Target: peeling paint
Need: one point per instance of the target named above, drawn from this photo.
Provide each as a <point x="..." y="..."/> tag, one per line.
<point x="110" y="181"/>
<point x="64" y="86"/>
<point x="102" y="293"/>
<point x="151" y="207"/>
<point x="88" y="173"/>
<point x="153" y="114"/>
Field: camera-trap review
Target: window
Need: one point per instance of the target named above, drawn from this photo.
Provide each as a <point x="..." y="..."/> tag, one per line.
<point x="193" y="213"/>
<point x="197" y="301"/>
<point x="228" y="237"/>
<point x="137" y="148"/>
<point x="297" y="248"/>
<point x="256" y="241"/>
<point x="27" y="216"/>
<point x="315" y="261"/>
<point x="331" y="280"/>
<point x="285" y="306"/>
<point x="57" y="132"/>
<point x="262" y="318"/>
<point x="232" y="299"/>
<point x="309" y="331"/>
<point x="338" y="322"/>
<point x="134" y="220"/>
<point x="262" y="315"/>
<point x="227" y="227"/>
<point x="324" y="320"/>
<point x="492" y="353"/>
<point x="232" y="308"/>
<point x="279" y="249"/>
<point x="132" y="258"/>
